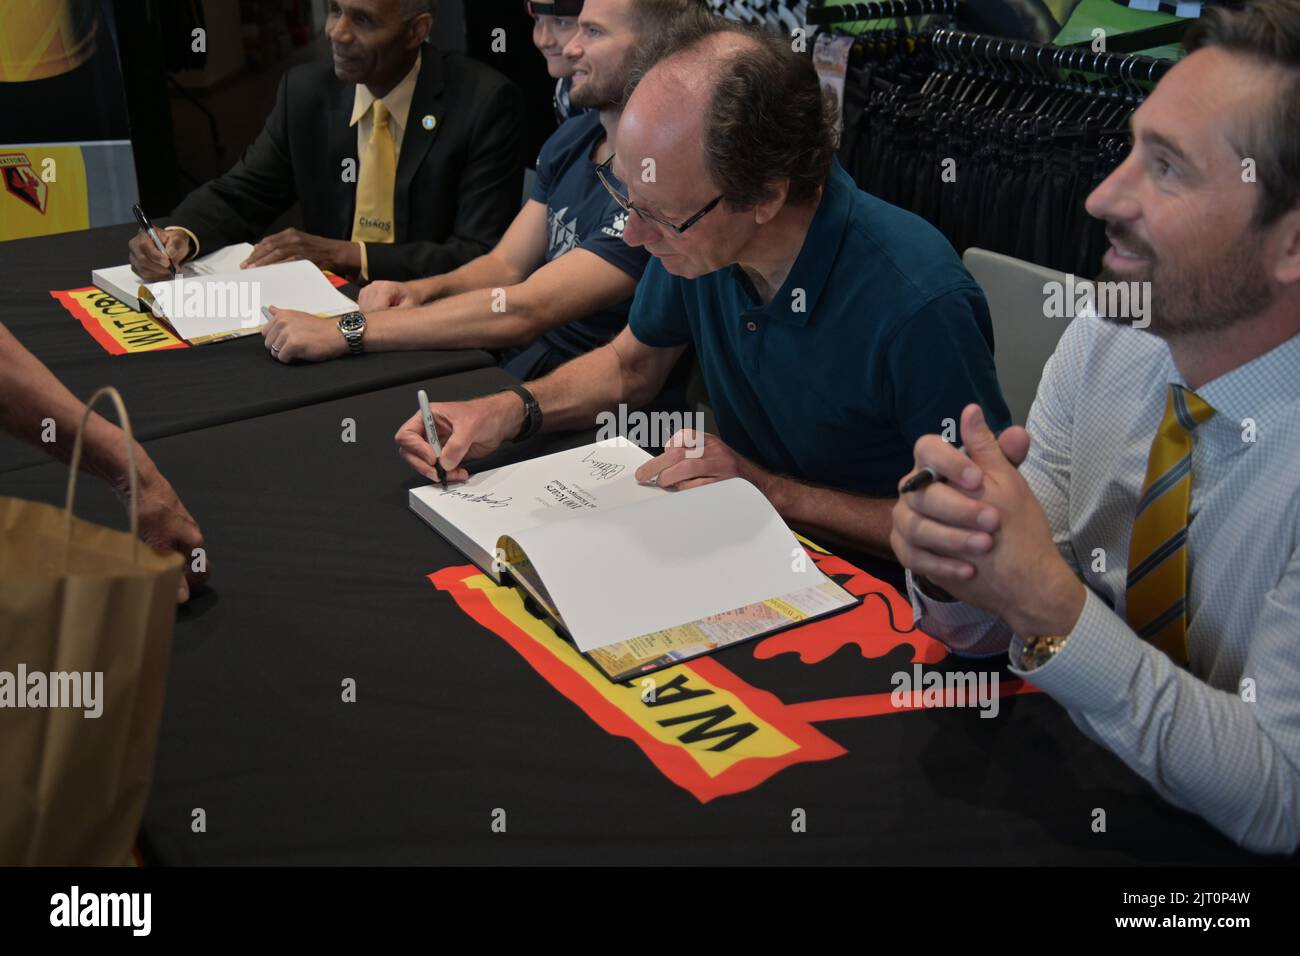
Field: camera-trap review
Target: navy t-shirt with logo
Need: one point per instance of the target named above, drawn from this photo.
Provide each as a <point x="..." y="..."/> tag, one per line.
<point x="580" y="214"/>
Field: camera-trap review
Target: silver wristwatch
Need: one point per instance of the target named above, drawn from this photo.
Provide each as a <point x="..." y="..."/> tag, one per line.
<point x="353" y="328"/>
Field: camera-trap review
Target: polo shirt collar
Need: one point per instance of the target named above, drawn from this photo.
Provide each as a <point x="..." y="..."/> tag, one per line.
<point x="819" y="253"/>
<point x="398" y="99"/>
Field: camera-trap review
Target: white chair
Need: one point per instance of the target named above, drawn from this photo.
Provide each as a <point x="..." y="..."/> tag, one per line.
<point x="1024" y="337"/>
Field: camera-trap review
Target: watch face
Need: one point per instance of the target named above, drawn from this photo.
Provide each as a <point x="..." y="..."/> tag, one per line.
<point x="354" y="322"/>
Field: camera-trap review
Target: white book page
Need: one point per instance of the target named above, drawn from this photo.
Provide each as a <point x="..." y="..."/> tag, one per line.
<point x="547" y="490"/>
<point x="122" y="282"/>
<point x="228" y="303"/>
<point x="226" y="259"/>
<point x="671" y="560"/>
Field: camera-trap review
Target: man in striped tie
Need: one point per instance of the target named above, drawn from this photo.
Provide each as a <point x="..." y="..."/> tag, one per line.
<point x="1136" y="550"/>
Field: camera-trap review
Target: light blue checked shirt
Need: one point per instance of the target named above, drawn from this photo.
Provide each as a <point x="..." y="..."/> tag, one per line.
<point x="1222" y="737"/>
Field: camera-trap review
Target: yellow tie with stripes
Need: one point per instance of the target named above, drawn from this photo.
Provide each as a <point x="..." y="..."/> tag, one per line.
<point x="374" y="217"/>
<point x="1156" y="605"/>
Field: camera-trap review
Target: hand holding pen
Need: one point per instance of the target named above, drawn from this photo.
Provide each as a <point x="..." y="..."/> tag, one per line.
<point x="431" y="432"/>
<point x="156" y="241"/>
<point x="941" y="514"/>
<point x="948" y="467"/>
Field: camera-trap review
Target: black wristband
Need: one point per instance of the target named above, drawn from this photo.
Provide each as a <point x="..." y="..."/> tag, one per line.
<point x="532" y="413"/>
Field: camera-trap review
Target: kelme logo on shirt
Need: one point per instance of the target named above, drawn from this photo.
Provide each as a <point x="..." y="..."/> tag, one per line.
<point x="616" y="227"/>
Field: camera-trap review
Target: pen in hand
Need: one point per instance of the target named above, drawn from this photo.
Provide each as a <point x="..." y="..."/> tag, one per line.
<point x="147" y="226"/>
<point x="926" y="476"/>
<point x="431" y="432"/>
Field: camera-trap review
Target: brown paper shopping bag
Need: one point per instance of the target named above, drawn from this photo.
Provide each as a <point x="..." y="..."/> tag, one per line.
<point x="86" y="617"/>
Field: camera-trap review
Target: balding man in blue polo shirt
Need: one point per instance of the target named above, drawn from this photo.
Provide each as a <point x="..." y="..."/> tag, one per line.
<point x="832" y="329"/>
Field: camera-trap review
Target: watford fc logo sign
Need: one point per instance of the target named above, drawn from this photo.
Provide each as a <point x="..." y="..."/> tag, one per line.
<point x="707" y="729"/>
<point x="22" y="182"/>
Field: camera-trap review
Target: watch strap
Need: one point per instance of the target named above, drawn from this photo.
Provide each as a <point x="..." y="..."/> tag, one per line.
<point x="356" y="345"/>
<point x="532" y="413"/>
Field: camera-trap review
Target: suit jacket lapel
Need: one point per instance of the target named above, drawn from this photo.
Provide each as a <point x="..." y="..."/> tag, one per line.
<point x="342" y="145"/>
<point x="427" y="100"/>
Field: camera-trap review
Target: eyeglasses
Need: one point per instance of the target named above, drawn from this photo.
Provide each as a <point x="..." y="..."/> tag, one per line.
<point x="604" y="174"/>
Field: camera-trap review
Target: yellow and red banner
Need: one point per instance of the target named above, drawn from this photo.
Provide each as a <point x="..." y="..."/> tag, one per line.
<point x="118" y="328"/>
<point x="704" y="727"/>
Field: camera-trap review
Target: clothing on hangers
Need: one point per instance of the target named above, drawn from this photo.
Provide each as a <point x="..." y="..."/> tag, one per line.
<point x="998" y="143"/>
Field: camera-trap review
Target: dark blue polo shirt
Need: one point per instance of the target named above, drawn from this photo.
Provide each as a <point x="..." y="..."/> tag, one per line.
<point x="581" y="214"/>
<point x="878" y="334"/>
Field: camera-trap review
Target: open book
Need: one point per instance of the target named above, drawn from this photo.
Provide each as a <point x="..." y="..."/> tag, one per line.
<point x="122" y="283"/>
<point x="203" y="306"/>
<point x="638" y="577"/>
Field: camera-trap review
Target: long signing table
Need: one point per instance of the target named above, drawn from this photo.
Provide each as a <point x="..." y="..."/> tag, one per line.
<point x="478" y="736"/>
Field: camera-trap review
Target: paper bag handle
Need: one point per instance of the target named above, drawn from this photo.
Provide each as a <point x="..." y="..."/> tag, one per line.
<point x="133" y="508"/>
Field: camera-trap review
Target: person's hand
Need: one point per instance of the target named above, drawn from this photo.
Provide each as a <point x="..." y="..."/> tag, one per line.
<point x="148" y="263"/>
<point x="166" y="525"/>
<point x="466" y="430"/>
<point x="950" y="462"/>
<point x="299" y="336"/>
<point x="337" y="255"/>
<point x="388" y="295"/>
<point x="983" y="537"/>
<point x="692" y="458"/>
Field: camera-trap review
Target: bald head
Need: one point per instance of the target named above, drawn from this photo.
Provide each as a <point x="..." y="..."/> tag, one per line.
<point x="665" y="114"/>
<point x="674" y="94"/>
<point x="733" y="104"/>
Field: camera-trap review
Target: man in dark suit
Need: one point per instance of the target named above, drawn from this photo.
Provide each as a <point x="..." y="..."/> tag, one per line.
<point x="406" y="161"/>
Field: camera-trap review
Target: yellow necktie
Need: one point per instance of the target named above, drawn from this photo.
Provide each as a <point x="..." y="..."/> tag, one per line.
<point x="374" y="218"/>
<point x="1156" y="605"/>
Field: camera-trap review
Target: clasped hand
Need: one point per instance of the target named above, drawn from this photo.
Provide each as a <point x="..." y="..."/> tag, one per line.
<point x="982" y="536"/>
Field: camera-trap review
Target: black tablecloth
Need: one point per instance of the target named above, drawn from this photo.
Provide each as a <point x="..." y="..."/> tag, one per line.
<point x="319" y="576"/>
<point x="178" y="390"/>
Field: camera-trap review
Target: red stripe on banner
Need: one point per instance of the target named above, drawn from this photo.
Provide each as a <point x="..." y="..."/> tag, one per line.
<point x="672" y="760"/>
<point x="109" y="344"/>
<point x="101" y="335"/>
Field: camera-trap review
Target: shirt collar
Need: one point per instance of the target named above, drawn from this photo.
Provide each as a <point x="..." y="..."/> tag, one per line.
<point x="398" y="99"/>
<point x="1265" y="384"/>
<point x="818" y="255"/>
